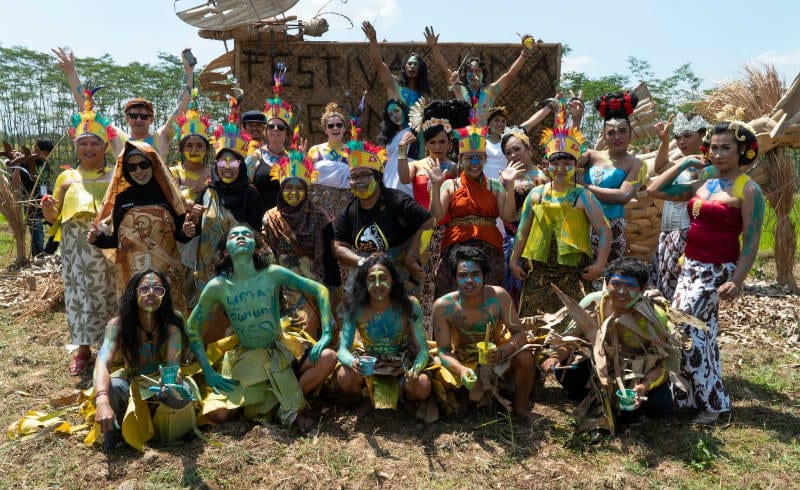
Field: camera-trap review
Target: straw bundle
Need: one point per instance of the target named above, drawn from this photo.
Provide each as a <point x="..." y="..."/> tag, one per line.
<point x="11" y="209"/>
<point x="643" y="214"/>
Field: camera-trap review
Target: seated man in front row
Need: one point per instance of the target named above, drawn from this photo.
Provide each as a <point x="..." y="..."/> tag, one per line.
<point x="460" y="320"/>
<point x="623" y="339"/>
<point x="259" y="374"/>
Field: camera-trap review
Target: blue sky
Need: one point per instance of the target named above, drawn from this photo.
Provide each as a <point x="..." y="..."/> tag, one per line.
<point x="716" y="38"/>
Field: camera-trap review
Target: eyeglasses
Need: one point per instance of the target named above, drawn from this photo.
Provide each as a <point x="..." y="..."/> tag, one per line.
<point x="335" y="125"/>
<point x="139" y="115"/>
<point x="228" y="163"/>
<point x="359" y="177"/>
<point x="279" y="127"/>
<point x="132" y="166"/>
<point x="159" y="291"/>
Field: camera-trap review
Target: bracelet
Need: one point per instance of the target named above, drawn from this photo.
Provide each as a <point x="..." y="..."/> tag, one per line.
<point x="402" y="152"/>
<point x="100" y="393"/>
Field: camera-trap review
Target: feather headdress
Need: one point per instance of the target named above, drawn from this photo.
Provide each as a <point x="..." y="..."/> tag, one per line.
<point x="227" y="136"/>
<point x="88" y="121"/>
<point x="563" y="138"/>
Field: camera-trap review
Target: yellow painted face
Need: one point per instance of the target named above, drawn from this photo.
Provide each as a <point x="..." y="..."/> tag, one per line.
<point x="293" y="192"/>
<point x="379" y="281"/>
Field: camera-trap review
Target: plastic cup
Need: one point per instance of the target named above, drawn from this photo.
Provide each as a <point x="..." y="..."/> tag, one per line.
<point x="484" y="348"/>
<point x="367" y="365"/>
<point x="469" y="380"/>
<point x="627" y="400"/>
<point x="169" y="374"/>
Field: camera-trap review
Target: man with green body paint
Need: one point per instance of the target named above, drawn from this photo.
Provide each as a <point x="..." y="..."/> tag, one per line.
<point x="259" y="374"/>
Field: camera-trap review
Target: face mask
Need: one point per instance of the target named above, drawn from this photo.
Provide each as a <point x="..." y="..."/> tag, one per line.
<point x="368" y="192"/>
<point x="294" y="198"/>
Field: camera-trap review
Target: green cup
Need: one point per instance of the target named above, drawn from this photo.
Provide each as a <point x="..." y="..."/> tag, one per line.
<point x="367" y="365"/>
<point x="169" y="374"/>
<point x="627" y="400"/>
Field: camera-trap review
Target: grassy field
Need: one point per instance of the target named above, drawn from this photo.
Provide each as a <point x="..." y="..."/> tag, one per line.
<point x="767" y="242"/>
<point x="757" y="447"/>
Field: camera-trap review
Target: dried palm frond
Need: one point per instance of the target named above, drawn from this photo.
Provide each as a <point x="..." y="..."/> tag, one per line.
<point x="11" y="209"/>
<point x="756" y="93"/>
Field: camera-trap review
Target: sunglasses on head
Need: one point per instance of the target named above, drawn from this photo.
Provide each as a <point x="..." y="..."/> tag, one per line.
<point x="279" y="127"/>
<point x="335" y="125"/>
<point x="139" y="115"/>
<point x="132" y="166"/>
<point x="146" y="290"/>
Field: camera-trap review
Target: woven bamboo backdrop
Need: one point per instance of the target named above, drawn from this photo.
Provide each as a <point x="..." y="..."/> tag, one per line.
<point x="321" y="72"/>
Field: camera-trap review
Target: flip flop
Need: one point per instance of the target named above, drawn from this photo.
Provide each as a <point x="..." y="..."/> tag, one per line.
<point x="79" y="363"/>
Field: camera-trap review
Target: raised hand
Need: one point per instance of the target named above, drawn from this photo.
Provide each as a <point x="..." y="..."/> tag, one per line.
<point x="436" y="174"/>
<point x="663" y="129"/>
<point x="407" y="139"/>
<point x="66" y="60"/>
<point x="369" y="31"/>
<point x="431" y="37"/>
<point x="512" y="172"/>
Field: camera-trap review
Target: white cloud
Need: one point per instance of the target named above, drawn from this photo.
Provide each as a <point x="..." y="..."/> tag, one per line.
<point x="773" y="57"/>
<point x="576" y="63"/>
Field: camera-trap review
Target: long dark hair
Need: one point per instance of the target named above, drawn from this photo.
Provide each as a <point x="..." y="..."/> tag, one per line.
<point x="388" y="128"/>
<point x="423" y="87"/>
<point x="360" y="296"/>
<point x="129" y="342"/>
<point x="223" y="264"/>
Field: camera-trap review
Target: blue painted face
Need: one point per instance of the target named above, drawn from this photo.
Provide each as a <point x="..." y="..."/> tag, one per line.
<point x="623" y="290"/>
<point x="240" y="240"/>
<point x="469" y="277"/>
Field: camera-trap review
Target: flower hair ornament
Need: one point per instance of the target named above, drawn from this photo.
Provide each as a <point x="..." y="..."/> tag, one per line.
<point x="227" y="136"/>
<point x="192" y="123"/>
<point x="277" y="107"/>
<point x="743" y="133"/>
<point x="295" y="164"/>
<point x="88" y="121"/>
<point x="563" y="138"/>
<point x="616" y="105"/>
<point x="682" y="124"/>
<point x="450" y="114"/>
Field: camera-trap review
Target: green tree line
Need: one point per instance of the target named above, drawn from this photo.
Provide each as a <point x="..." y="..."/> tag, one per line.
<point x="35" y="98"/>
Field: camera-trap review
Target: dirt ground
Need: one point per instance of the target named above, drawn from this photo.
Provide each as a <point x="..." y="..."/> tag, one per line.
<point x="755" y="447"/>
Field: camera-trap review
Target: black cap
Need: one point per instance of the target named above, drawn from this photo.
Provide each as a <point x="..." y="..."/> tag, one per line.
<point x="254" y="116"/>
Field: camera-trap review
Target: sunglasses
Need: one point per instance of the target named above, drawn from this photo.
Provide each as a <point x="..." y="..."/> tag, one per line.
<point x="132" y="166"/>
<point x="228" y="163"/>
<point x="279" y="127"/>
<point x="335" y="125"/>
<point x="159" y="291"/>
<point x="139" y="115"/>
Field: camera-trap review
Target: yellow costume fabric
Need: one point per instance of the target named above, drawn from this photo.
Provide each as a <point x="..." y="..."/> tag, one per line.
<point x="85" y="194"/>
<point x="564" y="222"/>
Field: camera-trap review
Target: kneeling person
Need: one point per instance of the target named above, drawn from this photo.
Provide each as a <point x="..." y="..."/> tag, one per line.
<point x="389" y="323"/>
<point x="259" y="374"/>
<point x="461" y="320"/>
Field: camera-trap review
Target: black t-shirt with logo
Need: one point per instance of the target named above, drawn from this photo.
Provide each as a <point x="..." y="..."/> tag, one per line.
<point x="388" y="224"/>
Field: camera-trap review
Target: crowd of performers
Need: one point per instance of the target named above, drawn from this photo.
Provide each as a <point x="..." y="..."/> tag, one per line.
<point x="256" y="272"/>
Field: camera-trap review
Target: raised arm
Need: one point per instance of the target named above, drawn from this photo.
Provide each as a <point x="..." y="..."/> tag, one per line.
<point x="505" y="197"/>
<point x="167" y="131"/>
<point x="66" y="61"/>
<point x="501" y="83"/>
<point x="433" y="42"/>
<point x="664" y="186"/>
<point x="440" y="192"/>
<point x="752" y="221"/>
<point x="405" y="169"/>
<point x="384" y="74"/>
<point x="661" y="162"/>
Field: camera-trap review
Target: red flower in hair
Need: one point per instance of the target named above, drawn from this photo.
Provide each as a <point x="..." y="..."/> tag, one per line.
<point x="602" y="108"/>
<point x="628" y="104"/>
<point x="753" y="146"/>
<point x="615" y="104"/>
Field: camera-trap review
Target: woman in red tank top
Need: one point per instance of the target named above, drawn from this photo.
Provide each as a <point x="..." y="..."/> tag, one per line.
<point x="721" y="210"/>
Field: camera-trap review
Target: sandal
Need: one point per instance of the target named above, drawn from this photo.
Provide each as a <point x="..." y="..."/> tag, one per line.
<point x="80" y="362"/>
